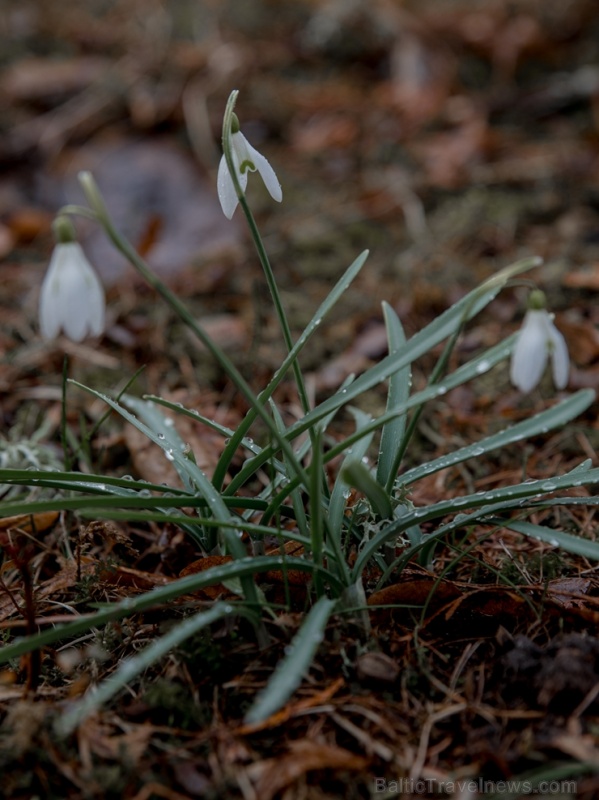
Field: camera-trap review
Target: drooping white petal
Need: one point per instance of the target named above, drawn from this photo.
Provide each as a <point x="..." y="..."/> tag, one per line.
<point x="246" y="159"/>
<point x="267" y="172"/>
<point x="560" y="360"/>
<point x="226" y="190"/>
<point x="49" y="309"/>
<point x="71" y="297"/>
<point x="529" y="357"/>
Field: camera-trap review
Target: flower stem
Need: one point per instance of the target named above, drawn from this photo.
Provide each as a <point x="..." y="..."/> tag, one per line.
<point x="126" y="248"/>
<point x="228" y="120"/>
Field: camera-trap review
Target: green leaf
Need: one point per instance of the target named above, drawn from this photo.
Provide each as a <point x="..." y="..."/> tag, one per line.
<point x="158" y="596"/>
<point x="547" y="420"/>
<point x="290" y="671"/>
<point x="486" y="504"/>
<point x="169" y="440"/>
<point x="567" y="542"/>
<point x="399" y="392"/>
<point x="195" y="475"/>
<point x="476" y="367"/>
<point x="340" y="287"/>
<point x="431" y="335"/>
<point x="130" y="668"/>
<point x="340" y="493"/>
<point x="358" y="475"/>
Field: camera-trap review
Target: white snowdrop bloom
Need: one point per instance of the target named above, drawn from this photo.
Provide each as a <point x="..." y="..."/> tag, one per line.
<point x="246" y="159"/>
<point x="71" y="297"/>
<point x="538" y="340"/>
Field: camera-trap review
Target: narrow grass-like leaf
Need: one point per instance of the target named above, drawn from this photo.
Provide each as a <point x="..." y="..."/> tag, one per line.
<point x="82" y="482"/>
<point x="340" y="287"/>
<point x="486" y="503"/>
<point x="290" y="671"/>
<point x="194" y="473"/>
<point x="473" y="368"/>
<point x="397" y="396"/>
<point x="164" y="429"/>
<point x="107" y="487"/>
<point x="158" y="596"/>
<point x="236" y="549"/>
<point x="340" y="493"/>
<point x="358" y="475"/>
<point x="547" y="420"/>
<point x="317" y="521"/>
<point x="131" y="667"/>
<point x="121" y="499"/>
<point x="561" y="539"/>
<point x="476" y="367"/>
<point x="485" y="516"/>
<point x="423" y="341"/>
<point x="297" y="499"/>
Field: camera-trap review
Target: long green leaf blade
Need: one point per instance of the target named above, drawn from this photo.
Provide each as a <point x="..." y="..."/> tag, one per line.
<point x="131" y="667"/>
<point x="195" y="474"/>
<point x="486" y="503"/>
<point x="399" y="392"/>
<point x="290" y="671"/>
<point x="423" y="341"/>
<point x="546" y="420"/>
<point x="158" y="596"/>
<point x="561" y="539"/>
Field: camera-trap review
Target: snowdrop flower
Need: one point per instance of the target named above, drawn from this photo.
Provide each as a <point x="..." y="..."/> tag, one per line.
<point x="537" y="341"/>
<point x="246" y="159"/>
<point x="71" y="297"/>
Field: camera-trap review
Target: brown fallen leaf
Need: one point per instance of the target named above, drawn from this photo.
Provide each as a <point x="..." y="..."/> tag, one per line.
<point x="203" y="564"/>
<point x="369" y="344"/>
<point x="567" y="592"/>
<point x="582" y="337"/>
<point x="416" y="592"/>
<point x="275" y="774"/>
<point x="134" y="578"/>
<point x="28" y="223"/>
<point x="64" y="579"/>
<point x="295" y="577"/>
<point x="292" y="709"/>
<point x="7" y="241"/>
<point x="101" y="740"/>
<point x="30" y="523"/>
